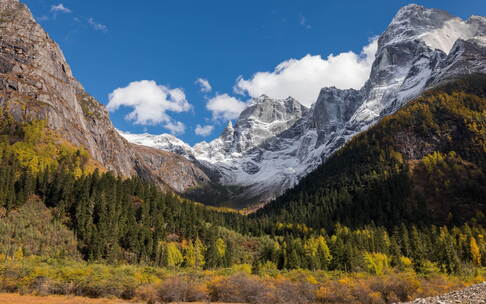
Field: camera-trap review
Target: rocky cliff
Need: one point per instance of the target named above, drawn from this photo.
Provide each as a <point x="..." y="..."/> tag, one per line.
<point x="37" y="83"/>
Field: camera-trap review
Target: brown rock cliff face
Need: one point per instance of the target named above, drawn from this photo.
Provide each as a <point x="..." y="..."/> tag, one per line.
<point x="170" y="168"/>
<point x="37" y="83"/>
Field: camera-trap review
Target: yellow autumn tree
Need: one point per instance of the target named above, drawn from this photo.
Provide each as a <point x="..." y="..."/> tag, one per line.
<point x="173" y="256"/>
<point x="189" y="255"/>
<point x="475" y="252"/>
<point x="199" y="250"/>
<point x="220" y="247"/>
<point x="376" y="263"/>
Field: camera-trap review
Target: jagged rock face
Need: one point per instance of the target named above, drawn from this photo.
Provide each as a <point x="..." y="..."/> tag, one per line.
<point x="333" y="109"/>
<point x="276" y="142"/>
<point x="265" y="118"/>
<point x="420" y="48"/>
<point x="37" y="83"/>
<point x="261" y="146"/>
<point x="170" y="168"/>
<point x="466" y="57"/>
<point x="415" y="48"/>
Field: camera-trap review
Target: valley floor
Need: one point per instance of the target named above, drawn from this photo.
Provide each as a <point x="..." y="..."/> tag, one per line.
<point x="475" y="294"/>
<point x="112" y="284"/>
<point x="11" y="298"/>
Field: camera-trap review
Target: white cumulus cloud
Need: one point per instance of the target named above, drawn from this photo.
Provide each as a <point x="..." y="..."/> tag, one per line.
<point x="204" y="85"/>
<point x="225" y="107"/>
<point x="60" y="8"/>
<point x="150" y="103"/>
<point x="303" y="78"/>
<point x="175" y="127"/>
<point x="204" y="130"/>
<point x="97" y="26"/>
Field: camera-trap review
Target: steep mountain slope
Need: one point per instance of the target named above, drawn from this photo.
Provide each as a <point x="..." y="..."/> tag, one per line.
<point x="275" y="143"/>
<point x="36" y="83"/>
<point x="425" y="164"/>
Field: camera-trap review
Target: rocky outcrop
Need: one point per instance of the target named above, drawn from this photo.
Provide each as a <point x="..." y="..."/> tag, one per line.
<point x="169" y="168"/>
<point x="37" y="83"/>
<point x="475" y="294"/>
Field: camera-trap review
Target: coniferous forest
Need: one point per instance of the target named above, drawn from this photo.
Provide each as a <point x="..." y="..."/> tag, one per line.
<point x="408" y="195"/>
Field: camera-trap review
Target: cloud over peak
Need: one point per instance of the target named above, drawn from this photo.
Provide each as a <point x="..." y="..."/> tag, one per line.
<point x="175" y="127"/>
<point x="150" y="103"/>
<point x="303" y="78"/>
<point x="204" y="130"/>
<point x="225" y="107"/>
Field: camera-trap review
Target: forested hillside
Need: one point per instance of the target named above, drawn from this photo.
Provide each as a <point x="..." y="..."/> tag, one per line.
<point x="423" y="165"/>
<point x="113" y="218"/>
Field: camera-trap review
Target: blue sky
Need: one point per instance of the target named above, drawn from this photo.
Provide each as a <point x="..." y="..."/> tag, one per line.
<point x="162" y="47"/>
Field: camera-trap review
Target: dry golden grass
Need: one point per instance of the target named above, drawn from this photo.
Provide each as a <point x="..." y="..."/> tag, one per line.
<point x="10" y="298"/>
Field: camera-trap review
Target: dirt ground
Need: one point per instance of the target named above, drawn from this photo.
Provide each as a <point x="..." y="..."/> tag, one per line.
<point x="10" y="298"/>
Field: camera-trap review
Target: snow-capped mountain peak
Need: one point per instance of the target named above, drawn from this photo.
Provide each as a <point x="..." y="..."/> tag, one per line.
<point x="436" y="28"/>
<point x="166" y="142"/>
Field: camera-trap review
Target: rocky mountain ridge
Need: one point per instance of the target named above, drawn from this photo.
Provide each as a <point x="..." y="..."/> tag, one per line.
<point x="274" y="143"/>
<point x="37" y="83"/>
